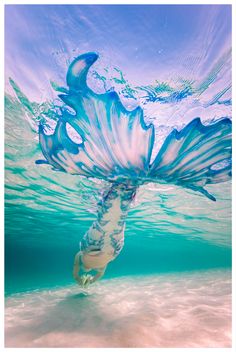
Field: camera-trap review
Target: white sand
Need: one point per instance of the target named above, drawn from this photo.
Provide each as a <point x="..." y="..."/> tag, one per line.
<point x="184" y="310"/>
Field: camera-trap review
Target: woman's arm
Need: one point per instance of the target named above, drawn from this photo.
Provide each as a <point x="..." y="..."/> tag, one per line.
<point x="76" y="267"/>
<point x="99" y="274"/>
<point x="80" y="279"/>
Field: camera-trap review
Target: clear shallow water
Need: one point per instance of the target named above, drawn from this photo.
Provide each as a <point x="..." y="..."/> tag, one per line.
<point x="184" y="310"/>
<point x="176" y="64"/>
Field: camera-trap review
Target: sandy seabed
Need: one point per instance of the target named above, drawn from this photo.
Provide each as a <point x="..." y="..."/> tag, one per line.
<point x="171" y="310"/>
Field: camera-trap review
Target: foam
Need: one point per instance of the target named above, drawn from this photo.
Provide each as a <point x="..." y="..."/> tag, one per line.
<point x="174" y="310"/>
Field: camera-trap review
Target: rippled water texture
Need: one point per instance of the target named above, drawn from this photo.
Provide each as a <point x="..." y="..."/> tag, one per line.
<point x="174" y="62"/>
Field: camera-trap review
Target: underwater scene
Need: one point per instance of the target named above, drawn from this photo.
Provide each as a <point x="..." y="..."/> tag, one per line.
<point x="118" y="176"/>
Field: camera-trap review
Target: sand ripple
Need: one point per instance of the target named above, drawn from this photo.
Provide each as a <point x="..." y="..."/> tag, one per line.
<point x="184" y="310"/>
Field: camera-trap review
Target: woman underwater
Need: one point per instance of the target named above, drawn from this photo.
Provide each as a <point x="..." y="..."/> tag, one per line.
<point x="117" y="146"/>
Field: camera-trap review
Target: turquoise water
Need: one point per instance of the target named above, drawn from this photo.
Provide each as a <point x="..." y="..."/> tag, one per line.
<point x="174" y="236"/>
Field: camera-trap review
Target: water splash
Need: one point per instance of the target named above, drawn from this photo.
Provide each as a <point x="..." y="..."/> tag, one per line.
<point x="117" y="145"/>
<point x="27" y="186"/>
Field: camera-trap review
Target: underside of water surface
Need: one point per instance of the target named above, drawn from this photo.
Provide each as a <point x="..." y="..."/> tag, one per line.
<point x="171" y="64"/>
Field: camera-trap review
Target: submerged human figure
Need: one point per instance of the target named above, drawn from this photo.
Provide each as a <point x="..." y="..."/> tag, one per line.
<point x="117" y="146"/>
<point x="105" y="238"/>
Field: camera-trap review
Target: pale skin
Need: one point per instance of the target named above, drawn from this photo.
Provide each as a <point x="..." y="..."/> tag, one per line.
<point x="97" y="260"/>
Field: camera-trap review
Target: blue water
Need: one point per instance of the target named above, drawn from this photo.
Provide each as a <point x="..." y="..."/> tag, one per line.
<point x="174" y="62"/>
